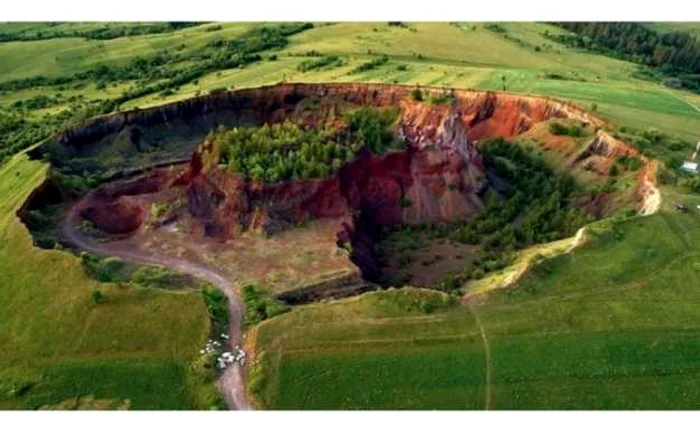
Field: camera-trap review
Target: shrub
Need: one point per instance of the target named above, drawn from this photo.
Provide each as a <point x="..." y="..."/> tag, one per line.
<point x="96" y="296"/>
<point x="496" y="28"/>
<point x="158" y="210"/>
<point x="325" y="61"/>
<point x="417" y="94"/>
<point x="217" y="305"/>
<point x="630" y="163"/>
<point x="103" y="269"/>
<point x="614" y="170"/>
<point x="259" y="307"/>
<point x="557" y="128"/>
<point x="478" y="274"/>
<point x="442" y="99"/>
<point x="371" y="65"/>
<point x="156" y="277"/>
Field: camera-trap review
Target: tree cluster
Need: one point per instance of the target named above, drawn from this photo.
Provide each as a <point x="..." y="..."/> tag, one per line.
<point x="100" y="33"/>
<point x="674" y="52"/>
<point x="286" y="151"/>
<point x="319" y="63"/>
<point x="539" y="206"/>
<point x="371" y="65"/>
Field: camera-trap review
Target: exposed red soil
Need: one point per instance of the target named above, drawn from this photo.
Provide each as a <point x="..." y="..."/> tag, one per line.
<point x="441" y="173"/>
<point x="118" y="215"/>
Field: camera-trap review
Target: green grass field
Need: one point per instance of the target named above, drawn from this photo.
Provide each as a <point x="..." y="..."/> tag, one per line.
<point x="56" y="344"/>
<point x="613" y="325"/>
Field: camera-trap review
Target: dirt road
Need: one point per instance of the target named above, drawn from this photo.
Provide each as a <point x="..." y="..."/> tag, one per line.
<point x="231" y="382"/>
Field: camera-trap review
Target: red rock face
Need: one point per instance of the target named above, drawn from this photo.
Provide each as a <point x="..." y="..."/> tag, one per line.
<point x="437" y="178"/>
<point x="114" y="216"/>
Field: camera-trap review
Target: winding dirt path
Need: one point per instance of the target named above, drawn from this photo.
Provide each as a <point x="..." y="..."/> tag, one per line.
<point x="231" y="382"/>
<point x="487" y="359"/>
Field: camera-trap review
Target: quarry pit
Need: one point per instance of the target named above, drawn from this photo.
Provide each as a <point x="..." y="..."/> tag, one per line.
<point x="305" y="239"/>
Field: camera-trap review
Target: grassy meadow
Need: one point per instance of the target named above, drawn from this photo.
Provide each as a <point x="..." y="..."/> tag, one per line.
<point x="57" y="344"/>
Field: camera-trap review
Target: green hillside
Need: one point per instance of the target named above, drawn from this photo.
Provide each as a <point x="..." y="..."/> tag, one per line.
<point x="135" y="348"/>
<point x="465" y="55"/>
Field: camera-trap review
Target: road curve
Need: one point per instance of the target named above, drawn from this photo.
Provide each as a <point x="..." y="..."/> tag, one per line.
<point x="231" y="382"/>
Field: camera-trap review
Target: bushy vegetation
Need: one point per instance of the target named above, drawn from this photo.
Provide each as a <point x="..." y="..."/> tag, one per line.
<point x="417" y="95"/>
<point x="671" y="150"/>
<point x="442" y="98"/>
<point x="259" y="306"/>
<point x="629" y="163"/>
<point x="690" y="183"/>
<point x="110" y="269"/>
<point x="371" y="65"/>
<point x="159" y="277"/>
<point x="217" y="305"/>
<point x="573" y="130"/>
<point x="539" y="206"/>
<point x="373" y="128"/>
<point x="673" y="53"/>
<point x="100" y="33"/>
<point x="285" y="151"/>
<point x="319" y="63"/>
<point x="496" y="28"/>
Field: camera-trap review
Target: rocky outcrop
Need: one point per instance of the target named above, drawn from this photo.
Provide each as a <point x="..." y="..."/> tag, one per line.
<point x="437" y="178"/>
<point x="119" y="215"/>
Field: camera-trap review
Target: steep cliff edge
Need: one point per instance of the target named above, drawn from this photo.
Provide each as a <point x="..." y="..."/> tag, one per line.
<point x="439" y="176"/>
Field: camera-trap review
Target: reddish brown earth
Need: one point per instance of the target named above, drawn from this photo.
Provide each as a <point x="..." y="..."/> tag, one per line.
<point x="114" y="215"/>
<point x="441" y="173"/>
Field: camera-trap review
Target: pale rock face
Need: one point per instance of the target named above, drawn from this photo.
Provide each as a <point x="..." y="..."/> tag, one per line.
<point x="447" y="172"/>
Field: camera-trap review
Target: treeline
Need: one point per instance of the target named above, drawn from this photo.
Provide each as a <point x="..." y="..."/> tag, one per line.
<point x="19" y="131"/>
<point x="675" y="52"/>
<point x="101" y="33"/>
<point x="286" y="151"/>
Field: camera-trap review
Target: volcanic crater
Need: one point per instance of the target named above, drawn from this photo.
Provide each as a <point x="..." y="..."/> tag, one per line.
<point x="163" y="190"/>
